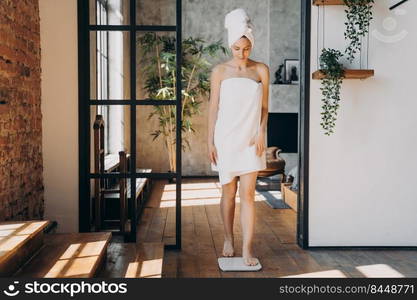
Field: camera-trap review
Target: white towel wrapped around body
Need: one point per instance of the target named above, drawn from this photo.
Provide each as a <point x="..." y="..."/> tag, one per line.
<point x="238" y="122"/>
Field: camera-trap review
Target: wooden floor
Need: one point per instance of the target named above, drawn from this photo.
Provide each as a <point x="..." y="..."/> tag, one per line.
<point x="274" y="244"/>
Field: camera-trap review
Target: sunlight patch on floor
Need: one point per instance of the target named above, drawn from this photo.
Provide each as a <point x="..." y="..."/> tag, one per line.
<point x="9" y="243"/>
<point x="148" y="268"/>
<point x="379" y="270"/>
<point x="320" y="274"/>
<point x="196" y="194"/>
<point x="14" y="234"/>
<point x="8" y="227"/>
<point x="78" y="260"/>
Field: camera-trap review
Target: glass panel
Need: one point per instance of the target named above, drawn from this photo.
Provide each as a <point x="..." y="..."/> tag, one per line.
<point x="155" y="12"/>
<point x="156" y="138"/>
<point x="156" y="65"/>
<point x="115" y="137"/>
<point x="109" y="12"/>
<point x="109" y="65"/>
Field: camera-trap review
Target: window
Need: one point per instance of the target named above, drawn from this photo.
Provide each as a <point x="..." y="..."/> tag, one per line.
<point x="103" y="68"/>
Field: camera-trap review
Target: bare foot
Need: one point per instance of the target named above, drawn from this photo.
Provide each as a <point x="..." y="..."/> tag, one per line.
<point x="248" y="258"/>
<point x="228" y="248"/>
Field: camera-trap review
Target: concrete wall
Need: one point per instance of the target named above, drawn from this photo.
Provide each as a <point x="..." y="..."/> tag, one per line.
<point x="362" y="178"/>
<point x="204" y="19"/>
<point x="277" y="36"/>
<point x="59" y="64"/>
<point x="284" y="43"/>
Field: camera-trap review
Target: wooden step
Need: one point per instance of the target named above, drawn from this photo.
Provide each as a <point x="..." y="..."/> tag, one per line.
<point x="128" y="260"/>
<point x="19" y="241"/>
<point x="66" y="255"/>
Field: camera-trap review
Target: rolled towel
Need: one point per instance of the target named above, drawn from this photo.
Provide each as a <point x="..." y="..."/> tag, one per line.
<point x="238" y="24"/>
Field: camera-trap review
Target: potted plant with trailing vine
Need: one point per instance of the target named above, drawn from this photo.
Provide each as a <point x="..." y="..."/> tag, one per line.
<point x="159" y="58"/>
<point x="331" y="84"/>
<point x="359" y="15"/>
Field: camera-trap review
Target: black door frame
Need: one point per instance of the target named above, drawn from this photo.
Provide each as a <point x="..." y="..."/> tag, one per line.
<point x="304" y="121"/>
<point x="84" y="104"/>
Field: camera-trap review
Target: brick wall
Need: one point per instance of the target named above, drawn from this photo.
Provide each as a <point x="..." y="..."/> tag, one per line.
<point x="21" y="182"/>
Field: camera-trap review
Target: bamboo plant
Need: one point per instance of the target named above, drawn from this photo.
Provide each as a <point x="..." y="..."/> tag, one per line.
<point x="159" y="60"/>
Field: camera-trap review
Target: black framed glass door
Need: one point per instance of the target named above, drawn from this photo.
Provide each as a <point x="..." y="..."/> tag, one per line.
<point x="130" y="89"/>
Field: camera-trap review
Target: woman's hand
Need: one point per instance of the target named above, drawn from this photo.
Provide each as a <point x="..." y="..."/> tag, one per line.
<point x="212" y="153"/>
<point x="259" y="140"/>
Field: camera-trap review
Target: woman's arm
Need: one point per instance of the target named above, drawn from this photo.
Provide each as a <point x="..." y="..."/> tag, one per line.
<point x="215" y="80"/>
<point x="264" y="74"/>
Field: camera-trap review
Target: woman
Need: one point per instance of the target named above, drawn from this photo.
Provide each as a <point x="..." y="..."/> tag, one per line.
<point x="237" y="124"/>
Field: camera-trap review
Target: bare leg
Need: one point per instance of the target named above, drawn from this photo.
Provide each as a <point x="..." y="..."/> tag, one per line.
<point x="247" y="214"/>
<point x="227" y="208"/>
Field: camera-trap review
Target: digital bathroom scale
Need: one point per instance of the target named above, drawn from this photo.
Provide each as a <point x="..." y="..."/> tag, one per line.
<point x="228" y="264"/>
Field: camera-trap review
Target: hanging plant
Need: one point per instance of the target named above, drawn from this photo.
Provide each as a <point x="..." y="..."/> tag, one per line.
<point x="359" y="16"/>
<point x="331" y="84"/>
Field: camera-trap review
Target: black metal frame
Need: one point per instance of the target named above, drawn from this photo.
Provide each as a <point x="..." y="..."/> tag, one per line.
<point x="85" y="103"/>
<point x="304" y="121"/>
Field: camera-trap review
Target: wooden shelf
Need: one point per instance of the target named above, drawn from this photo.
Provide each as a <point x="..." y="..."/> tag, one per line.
<point x="349" y="74"/>
<point x="328" y="2"/>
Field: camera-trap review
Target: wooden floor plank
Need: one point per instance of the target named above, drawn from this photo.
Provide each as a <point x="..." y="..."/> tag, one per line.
<point x="170" y="225"/>
<point x="207" y="257"/>
<point x="170" y="264"/>
<point x="129" y="260"/>
<point x="156" y="229"/>
<point x="188" y="256"/>
<point x="145" y="223"/>
<point x="148" y="261"/>
<point x="119" y="255"/>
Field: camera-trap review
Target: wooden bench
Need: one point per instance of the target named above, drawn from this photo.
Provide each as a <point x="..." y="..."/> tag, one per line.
<point x="112" y="199"/>
<point x="101" y="186"/>
<point x="112" y="162"/>
<point x="19" y="240"/>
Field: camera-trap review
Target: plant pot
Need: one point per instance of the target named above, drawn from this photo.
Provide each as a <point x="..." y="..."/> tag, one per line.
<point x="289" y="196"/>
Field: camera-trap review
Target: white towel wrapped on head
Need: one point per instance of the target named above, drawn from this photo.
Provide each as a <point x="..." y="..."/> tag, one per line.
<point x="238" y="24"/>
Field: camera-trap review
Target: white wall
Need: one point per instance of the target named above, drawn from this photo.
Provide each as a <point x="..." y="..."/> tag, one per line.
<point x="362" y="178"/>
<point x="60" y="111"/>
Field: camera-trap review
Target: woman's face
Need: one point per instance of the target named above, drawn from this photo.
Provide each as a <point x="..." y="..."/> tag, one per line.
<point x="241" y="48"/>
